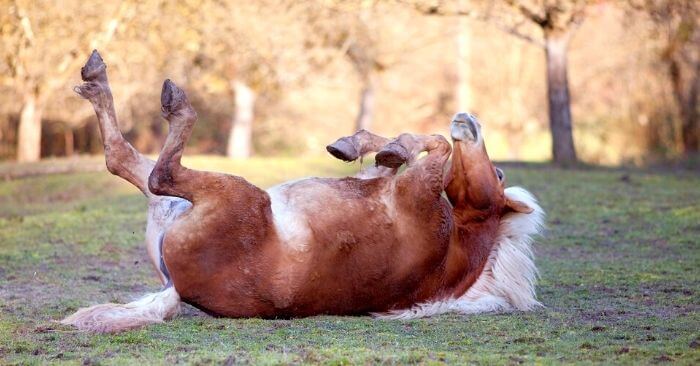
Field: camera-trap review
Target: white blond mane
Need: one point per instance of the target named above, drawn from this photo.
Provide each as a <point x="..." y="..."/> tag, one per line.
<point x="508" y="280"/>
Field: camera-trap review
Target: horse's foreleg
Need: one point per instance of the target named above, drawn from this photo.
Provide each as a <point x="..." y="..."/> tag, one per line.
<point x="423" y="177"/>
<point x="121" y="158"/>
<point x="363" y="142"/>
<point x="406" y="148"/>
<point x="351" y="148"/>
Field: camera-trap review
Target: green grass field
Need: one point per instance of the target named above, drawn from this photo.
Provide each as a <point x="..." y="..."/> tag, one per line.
<point x="620" y="278"/>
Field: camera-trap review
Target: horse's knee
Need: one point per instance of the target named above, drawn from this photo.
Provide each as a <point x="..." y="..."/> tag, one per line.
<point x="439" y="144"/>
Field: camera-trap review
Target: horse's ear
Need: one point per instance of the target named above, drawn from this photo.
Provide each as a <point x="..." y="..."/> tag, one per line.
<point x="517" y="206"/>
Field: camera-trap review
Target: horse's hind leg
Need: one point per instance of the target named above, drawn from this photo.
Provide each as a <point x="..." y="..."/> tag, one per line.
<point x="157" y="307"/>
<point x="169" y="177"/>
<point x="121" y="158"/>
<point x="124" y="161"/>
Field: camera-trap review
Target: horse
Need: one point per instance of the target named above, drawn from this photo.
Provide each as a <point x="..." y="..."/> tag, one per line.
<point x="442" y="235"/>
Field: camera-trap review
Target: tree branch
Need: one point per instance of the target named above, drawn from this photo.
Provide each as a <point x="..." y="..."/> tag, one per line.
<point x="529" y="13"/>
<point x="25" y="24"/>
<point x="434" y="10"/>
<point x="71" y="61"/>
<point x="514" y="31"/>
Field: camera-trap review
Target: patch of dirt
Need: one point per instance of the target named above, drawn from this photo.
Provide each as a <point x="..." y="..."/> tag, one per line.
<point x="91" y="278"/>
<point x="528" y="340"/>
<point x="605" y="304"/>
<point x="663" y="358"/>
<point x="189" y="311"/>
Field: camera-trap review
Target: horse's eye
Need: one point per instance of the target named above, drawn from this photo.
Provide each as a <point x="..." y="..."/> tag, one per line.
<point x="499" y="174"/>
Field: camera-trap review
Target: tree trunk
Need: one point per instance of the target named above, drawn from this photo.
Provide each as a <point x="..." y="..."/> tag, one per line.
<point x="29" y="135"/>
<point x="68" y="139"/>
<point x="563" y="151"/>
<point x="691" y="141"/>
<point x="239" y="141"/>
<point x="365" y="114"/>
<point x="691" y="125"/>
<point x="687" y="105"/>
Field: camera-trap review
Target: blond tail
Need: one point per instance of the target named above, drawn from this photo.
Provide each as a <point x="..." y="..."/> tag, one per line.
<point x="111" y="318"/>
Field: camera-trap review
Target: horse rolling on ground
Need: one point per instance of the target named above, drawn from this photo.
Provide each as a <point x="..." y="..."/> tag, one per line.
<point x="397" y="246"/>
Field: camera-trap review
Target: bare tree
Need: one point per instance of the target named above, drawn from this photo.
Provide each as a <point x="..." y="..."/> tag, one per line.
<point x="556" y="21"/>
<point x="361" y="54"/>
<point x="254" y="58"/>
<point x="40" y="65"/>
<point x="241" y="135"/>
<point x="347" y="29"/>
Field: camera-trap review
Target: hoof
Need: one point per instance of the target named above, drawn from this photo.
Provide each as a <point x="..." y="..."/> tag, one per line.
<point x="343" y="149"/>
<point x="465" y="127"/>
<point x="94" y="68"/>
<point x="393" y="155"/>
<point x="172" y="99"/>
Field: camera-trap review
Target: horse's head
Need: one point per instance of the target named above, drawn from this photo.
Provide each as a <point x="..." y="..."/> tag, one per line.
<point x="474" y="186"/>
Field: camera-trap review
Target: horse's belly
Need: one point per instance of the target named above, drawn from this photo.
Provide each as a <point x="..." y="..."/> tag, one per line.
<point x="345" y="254"/>
<point x="335" y="250"/>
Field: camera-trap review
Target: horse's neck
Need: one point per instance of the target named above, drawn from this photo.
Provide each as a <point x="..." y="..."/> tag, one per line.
<point x="470" y="247"/>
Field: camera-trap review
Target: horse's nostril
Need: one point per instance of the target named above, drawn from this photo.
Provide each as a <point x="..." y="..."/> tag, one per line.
<point x="473" y="129"/>
<point x="465" y="127"/>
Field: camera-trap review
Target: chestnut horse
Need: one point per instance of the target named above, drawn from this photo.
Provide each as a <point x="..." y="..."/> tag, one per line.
<point x="439" y="237"/>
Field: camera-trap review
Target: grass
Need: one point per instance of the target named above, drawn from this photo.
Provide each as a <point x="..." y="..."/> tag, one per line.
<point x="620" y="276"/>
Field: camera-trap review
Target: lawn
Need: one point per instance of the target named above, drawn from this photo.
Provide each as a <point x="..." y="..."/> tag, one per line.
<point x="619" y="265"/>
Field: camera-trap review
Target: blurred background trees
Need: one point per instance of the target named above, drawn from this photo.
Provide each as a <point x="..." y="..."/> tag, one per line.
<point x="677" y="27"/>
<point x="556" y="21"/>
<point x="601" y="81"/>
<point x="37" y="65"/>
